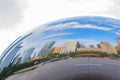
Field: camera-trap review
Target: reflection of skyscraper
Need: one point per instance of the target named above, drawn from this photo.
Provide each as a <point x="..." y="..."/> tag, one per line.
<point x="19" y="60"/>
<point x="118" y="40"/>
<point x="9" y="57"/>
<point x="81" y="46"/>
<point x="27" y="54"/>
<point x="14" y="61"/>
<point x="12" y="45"/>
<point x="106" y="47"/>
<point x="118" y="46"/>
<point x="69" y="47"/>
<point x="47" y="49"/>
<point x="91" y="46"/>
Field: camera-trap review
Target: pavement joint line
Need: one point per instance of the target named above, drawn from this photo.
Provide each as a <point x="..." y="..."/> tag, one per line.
<point x="89" y="64"/>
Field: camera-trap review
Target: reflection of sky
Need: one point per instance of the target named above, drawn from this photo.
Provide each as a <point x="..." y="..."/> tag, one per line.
<point x="95" y="20"/>
<point x="84" y="29"/>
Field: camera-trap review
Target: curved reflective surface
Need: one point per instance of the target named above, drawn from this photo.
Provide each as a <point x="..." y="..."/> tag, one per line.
<point x="87" y="33"/>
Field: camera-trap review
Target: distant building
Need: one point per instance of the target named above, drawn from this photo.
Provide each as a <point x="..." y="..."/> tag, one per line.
<point x="106" y="47"/>
<point x="27" y="54"/>
<point x="56" y="50"/>
<point x="47" y="49"/>
<point x="70" y="46"/>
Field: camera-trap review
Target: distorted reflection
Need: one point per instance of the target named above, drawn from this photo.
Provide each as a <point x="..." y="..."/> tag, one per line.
<point x="72" y="37"/>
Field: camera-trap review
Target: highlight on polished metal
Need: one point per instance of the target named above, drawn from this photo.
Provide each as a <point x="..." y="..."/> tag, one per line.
<point x="77" y="48"/>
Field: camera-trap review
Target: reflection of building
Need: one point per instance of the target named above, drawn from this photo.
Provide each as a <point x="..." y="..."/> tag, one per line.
<point x="106" y="47"/>
<point x="14" y="61"/>
<point x="56" y="50"/>
<point x="36" y="58"/>
<point x="81" y="46"/>
<point x="9" y="54"/>
<point x="9" y="57"/>
<point x="47" y="49"/>
<point x="12" y="45"/>
<point x="88" y="49"/>
<point x="27" y="54"/>
<point x="19" y="60"/>
<point x="70" y="46"/>
<point x="91" y="46"/>
<point x="103" y="46"/>
<point x="47" y="52"/>
<point x="118" y="46"/>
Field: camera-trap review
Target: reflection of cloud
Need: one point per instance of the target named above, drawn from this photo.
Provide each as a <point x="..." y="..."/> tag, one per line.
<point x="10" y="13"/>
<point x="118" y="33"/>
<point x="93" y="27"/>
<point x="99" y="24"/>
<point x="77" y="25"/>
<point x="44" y="39"/>
<point x="54" y="35"/>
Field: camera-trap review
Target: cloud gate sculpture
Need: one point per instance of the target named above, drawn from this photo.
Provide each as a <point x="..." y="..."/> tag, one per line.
<point x="94" y="36"/>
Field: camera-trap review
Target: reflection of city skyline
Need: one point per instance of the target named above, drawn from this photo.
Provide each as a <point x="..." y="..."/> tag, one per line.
<point x="67" y="46"/>
<point x="73" y="46"/>
<point x="88" y="31"/>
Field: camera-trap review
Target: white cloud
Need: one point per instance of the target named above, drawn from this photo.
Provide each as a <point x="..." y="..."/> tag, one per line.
<point x="11" y="13"/>
<point x="114" y="9"/>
